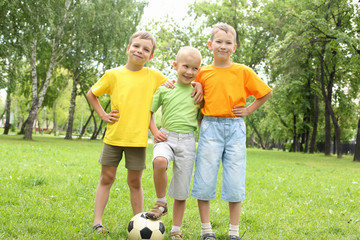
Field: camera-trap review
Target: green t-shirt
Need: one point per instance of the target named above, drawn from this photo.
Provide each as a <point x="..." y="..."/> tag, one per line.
<point x="179" y="112"/>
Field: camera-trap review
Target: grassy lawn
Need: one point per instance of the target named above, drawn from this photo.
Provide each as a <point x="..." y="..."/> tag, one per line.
<point x="47" y="189"/>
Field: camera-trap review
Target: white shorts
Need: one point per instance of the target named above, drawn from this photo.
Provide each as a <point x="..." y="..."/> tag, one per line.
<point x="179" y="148"/>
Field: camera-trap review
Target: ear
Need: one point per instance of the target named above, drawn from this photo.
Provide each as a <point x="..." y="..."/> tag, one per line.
<point x="151" y="57"/>
<point x="210" y="45"/>
<point x="175" y="65"/>
<point x="127" y="49"/>
<point x="234" y="48"/>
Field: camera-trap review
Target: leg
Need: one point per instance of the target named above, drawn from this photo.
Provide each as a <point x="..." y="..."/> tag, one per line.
<point x="160" y="176"/>
<point x="136" y="191"/>
<point x="178" y="212"/>
<point x="204" y="211"/>
<point x="108" y="174"/>
<point x="235" y="210"/>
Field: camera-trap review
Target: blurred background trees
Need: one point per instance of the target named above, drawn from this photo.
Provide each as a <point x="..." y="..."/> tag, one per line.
<point x="307" y="51"/>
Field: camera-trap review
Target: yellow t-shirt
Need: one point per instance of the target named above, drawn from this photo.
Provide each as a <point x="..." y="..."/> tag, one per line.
<point x="131" y="94"/>
<point x="225" y="88"/>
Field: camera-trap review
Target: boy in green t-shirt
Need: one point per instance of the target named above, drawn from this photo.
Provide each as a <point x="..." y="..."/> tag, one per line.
<point x="175" y="140"/>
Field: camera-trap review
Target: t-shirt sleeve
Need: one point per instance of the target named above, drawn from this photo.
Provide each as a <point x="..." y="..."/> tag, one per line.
<point x="157" y="100"/>
<point x="103" y="85"/>
<point x="160" y="78"/>
<point x="255" y="85"/>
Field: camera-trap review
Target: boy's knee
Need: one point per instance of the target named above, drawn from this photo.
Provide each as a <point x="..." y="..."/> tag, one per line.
<point x="134" y="183"/>
<point x="160" y="163"/>
<point x="107" y="179"/>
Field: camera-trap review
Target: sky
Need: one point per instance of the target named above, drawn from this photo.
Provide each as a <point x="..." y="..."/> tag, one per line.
<point x="160" y="8"/>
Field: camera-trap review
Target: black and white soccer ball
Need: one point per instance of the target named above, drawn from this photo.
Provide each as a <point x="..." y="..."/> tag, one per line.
<point x="140" y="227"/>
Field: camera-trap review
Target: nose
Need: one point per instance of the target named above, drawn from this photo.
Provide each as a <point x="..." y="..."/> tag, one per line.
<point x="189" y="71"/>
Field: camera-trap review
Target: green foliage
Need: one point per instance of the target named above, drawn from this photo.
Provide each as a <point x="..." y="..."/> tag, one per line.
<point x="48" y="193"/>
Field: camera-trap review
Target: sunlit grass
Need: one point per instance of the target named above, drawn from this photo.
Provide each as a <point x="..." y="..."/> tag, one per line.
<point x="47" y="191"/>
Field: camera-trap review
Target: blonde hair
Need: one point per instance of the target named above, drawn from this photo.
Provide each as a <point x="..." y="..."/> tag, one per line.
<point x="144" y="35"/>
<point x="222" y="27"/>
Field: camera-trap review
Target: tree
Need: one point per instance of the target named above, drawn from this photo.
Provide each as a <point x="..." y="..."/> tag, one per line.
<point x="42" y="26"/>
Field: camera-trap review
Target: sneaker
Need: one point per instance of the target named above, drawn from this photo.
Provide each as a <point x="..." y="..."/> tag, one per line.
<point x="156" y="213"/>
<point x="208" y="236"/>
<point x="176" y="235"/>
<point x="98" y="228"/>
<point x="233" y="237"/>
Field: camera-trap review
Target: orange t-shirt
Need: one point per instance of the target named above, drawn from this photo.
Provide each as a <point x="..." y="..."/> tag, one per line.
<point x="225" y="88"/>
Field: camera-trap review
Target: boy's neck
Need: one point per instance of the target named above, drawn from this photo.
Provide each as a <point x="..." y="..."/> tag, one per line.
<point x="133" y="67"/>
<point x="222" y="64"/>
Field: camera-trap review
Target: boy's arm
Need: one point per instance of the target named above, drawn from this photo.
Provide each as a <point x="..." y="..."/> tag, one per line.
<point x="242" y="112"/>
<point x="159" y="136"/>
<point x="94" y="102"/>
<point x="198" y="92"/>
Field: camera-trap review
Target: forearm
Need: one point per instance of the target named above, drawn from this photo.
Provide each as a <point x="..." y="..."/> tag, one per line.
<point x="153" y="128"/>
<point x="94" y="102"/>
<point x="258" y="103"/>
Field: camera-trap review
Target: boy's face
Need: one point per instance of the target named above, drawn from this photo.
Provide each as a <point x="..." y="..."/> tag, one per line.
<point x="222" y="45"/>
<point x="139" y="51"/>
<point x="187" y="67"/>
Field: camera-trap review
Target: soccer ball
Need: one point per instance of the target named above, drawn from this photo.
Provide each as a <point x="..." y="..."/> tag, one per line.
<point x="140" y="227"/>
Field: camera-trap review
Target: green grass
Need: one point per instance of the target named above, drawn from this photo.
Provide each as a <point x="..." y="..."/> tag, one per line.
<point x="47" y="189"/>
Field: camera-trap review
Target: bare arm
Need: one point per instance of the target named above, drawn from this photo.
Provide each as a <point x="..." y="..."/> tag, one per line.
<point x="94" y="102"/>
<point x="159" y="136"/>
<point x="198" y="92"/>
<point x="242" y="112"/>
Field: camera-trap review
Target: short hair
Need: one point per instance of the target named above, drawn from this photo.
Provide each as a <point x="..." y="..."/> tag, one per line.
<point x="223" y="27"/>
<point x="144" y="35"/>
<point x="188" y="49"/>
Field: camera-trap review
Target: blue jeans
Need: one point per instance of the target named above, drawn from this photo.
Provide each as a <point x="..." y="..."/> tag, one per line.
<point x="221" y="140"/>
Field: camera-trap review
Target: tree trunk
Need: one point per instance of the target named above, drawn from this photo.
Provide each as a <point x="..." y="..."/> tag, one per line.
<point x="357" y="146"/>
<point x="295" y="134"/>
<point x="37" y="100"/>
<point x="93" y="136"/>
<point x="39" y="127"/>
<point x="258" y="135"/>
<point x="69" y="129"/>
<point x="315" y="124"/>
<point x="327" y="149"/>
<point x="23" y="126"/>
<point x="7" y="111"/>
<point x="89" y="118"/>
<point x="326" y="97"/>
<point x="86" y="123"/>
<point x="55" y="122"/>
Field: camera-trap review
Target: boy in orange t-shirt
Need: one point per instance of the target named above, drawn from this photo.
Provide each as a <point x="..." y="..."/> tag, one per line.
<point x="223" y="131"/>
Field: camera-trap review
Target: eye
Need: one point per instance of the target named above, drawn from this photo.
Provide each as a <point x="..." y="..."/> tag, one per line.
<point x="147" y="50"/>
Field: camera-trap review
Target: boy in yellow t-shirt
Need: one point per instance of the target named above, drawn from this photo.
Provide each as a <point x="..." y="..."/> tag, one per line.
<point x="223" y="132"/>
<point x="130" y="89"/>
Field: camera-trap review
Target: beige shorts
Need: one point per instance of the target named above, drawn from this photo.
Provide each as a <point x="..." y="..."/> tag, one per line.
<point x="135" y="157"/>
<point x="180" y="149"/>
